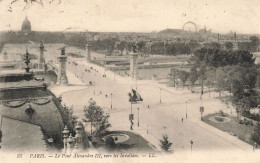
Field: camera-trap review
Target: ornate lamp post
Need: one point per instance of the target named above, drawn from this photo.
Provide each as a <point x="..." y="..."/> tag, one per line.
<point x="69" y="143"/>
<point x="65" y="133"/>
<point x="78" y="136"/>
<point x="27" y="61"/>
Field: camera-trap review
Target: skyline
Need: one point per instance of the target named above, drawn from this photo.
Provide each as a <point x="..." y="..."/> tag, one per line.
<point x="132" y="16"/>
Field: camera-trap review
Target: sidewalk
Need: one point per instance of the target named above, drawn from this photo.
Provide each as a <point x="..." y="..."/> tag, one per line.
<point x="74" y="84"/>
<point x="226" y="136"/>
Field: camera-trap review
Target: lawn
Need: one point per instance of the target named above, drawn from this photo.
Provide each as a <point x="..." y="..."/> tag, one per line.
<point x="135" y="143"/>
<point x="232" y="127"/>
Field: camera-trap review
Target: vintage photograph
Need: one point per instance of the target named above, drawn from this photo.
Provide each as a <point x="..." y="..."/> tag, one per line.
<point x="129" y="80"/>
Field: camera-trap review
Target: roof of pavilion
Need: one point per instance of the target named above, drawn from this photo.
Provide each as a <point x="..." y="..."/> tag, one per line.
<point x="28" y="137"/>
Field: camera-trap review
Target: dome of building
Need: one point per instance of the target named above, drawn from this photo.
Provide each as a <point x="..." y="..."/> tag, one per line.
<point x="26" y="26"/>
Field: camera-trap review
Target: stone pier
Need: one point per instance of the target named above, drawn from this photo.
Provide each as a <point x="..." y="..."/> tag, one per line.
<point x="62" y="76"/>
<point x="88" y="50"/>
<point x="41" y="58"/>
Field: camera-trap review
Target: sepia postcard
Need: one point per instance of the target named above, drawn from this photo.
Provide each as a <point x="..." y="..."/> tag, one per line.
<point x="130" y="81"/>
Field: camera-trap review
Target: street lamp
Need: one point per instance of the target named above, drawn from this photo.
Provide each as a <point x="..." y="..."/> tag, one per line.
<point x="186" y="110"/>
<point x="138" y="117"/>
<point x="75" y="68"/>
<point x="131" y="116"/>
<point x="114" y="76"/>
<point x="94" y="88"/>
<point x="111" y="100"/>
<point x="160" y="96"/>
<point x="82" y="77"/>
<point x="191" y="143"/>
<point x="254" y="146"/>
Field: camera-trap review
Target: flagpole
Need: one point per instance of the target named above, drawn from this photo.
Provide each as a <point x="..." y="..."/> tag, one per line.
<point x="131" y="106"/>
<point x="131" y="121"/>
<point x="131" y="101"/>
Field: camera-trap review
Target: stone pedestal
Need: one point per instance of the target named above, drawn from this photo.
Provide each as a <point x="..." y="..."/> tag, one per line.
<point x="62" y="77"/>
<point x="88" y="51"/>
<point x="133" y="65"/>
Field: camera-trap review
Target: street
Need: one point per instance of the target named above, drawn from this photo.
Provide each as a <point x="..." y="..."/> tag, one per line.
<point x="158" y="118"/>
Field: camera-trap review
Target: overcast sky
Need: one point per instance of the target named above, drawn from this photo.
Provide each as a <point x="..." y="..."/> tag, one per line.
<point x="242" y="16"/>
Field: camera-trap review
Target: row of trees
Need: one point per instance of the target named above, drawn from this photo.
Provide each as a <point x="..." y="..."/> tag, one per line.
<point x="215" y="69"/>
<point x="169" y="47"/>
<point x="219" y="58"/>
<point x="231" y="71"/>
<point x="165" y="48"/>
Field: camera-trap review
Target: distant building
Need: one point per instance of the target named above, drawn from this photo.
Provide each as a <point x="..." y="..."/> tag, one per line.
<point x="26" y="25"/>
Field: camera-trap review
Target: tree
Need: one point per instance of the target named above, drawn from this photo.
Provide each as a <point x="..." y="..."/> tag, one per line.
<point x="193" y="76"/>
<point x="172" y="76"/>
<point x="165" y="144"/>
<point x="221" y="76"/>
<point x="255" y="137"/>
<point x="183" y="75"/>
<point x="254" y="42"/>
<point x="121" y="46"/>
<point x="228" y="45"/>
<point x="69" y="119"/>
<point x="212" y="45"/>
<point x="210" y="78"/>
<point x="141" y="46"/>
<point x="97" y="118"/>
<point x="202" y="76"/>
<point x="67" y="114"/>
<point x="220" y="58"/>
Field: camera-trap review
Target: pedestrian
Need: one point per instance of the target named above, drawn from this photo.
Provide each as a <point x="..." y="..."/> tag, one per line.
<point x="182" y="119"/>
<point x="148" y="106"/>
<point x="106" y="96"/>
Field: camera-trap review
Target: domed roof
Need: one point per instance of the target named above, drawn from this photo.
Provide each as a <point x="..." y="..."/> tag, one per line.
<point x="26" y="26"/>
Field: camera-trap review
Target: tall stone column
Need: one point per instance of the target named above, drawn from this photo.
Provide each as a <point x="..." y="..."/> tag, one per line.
<point x="133" y="65"/>
<point x="41" y="58"/>
<point x="88" y="50"/>
<point x="62" y="77"/>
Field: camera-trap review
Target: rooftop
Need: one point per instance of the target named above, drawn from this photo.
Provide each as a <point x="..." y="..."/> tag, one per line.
<point x="28" y="137"/>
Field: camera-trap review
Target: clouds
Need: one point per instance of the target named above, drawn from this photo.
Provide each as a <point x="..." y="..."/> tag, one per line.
<point x="133" y="15"/>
